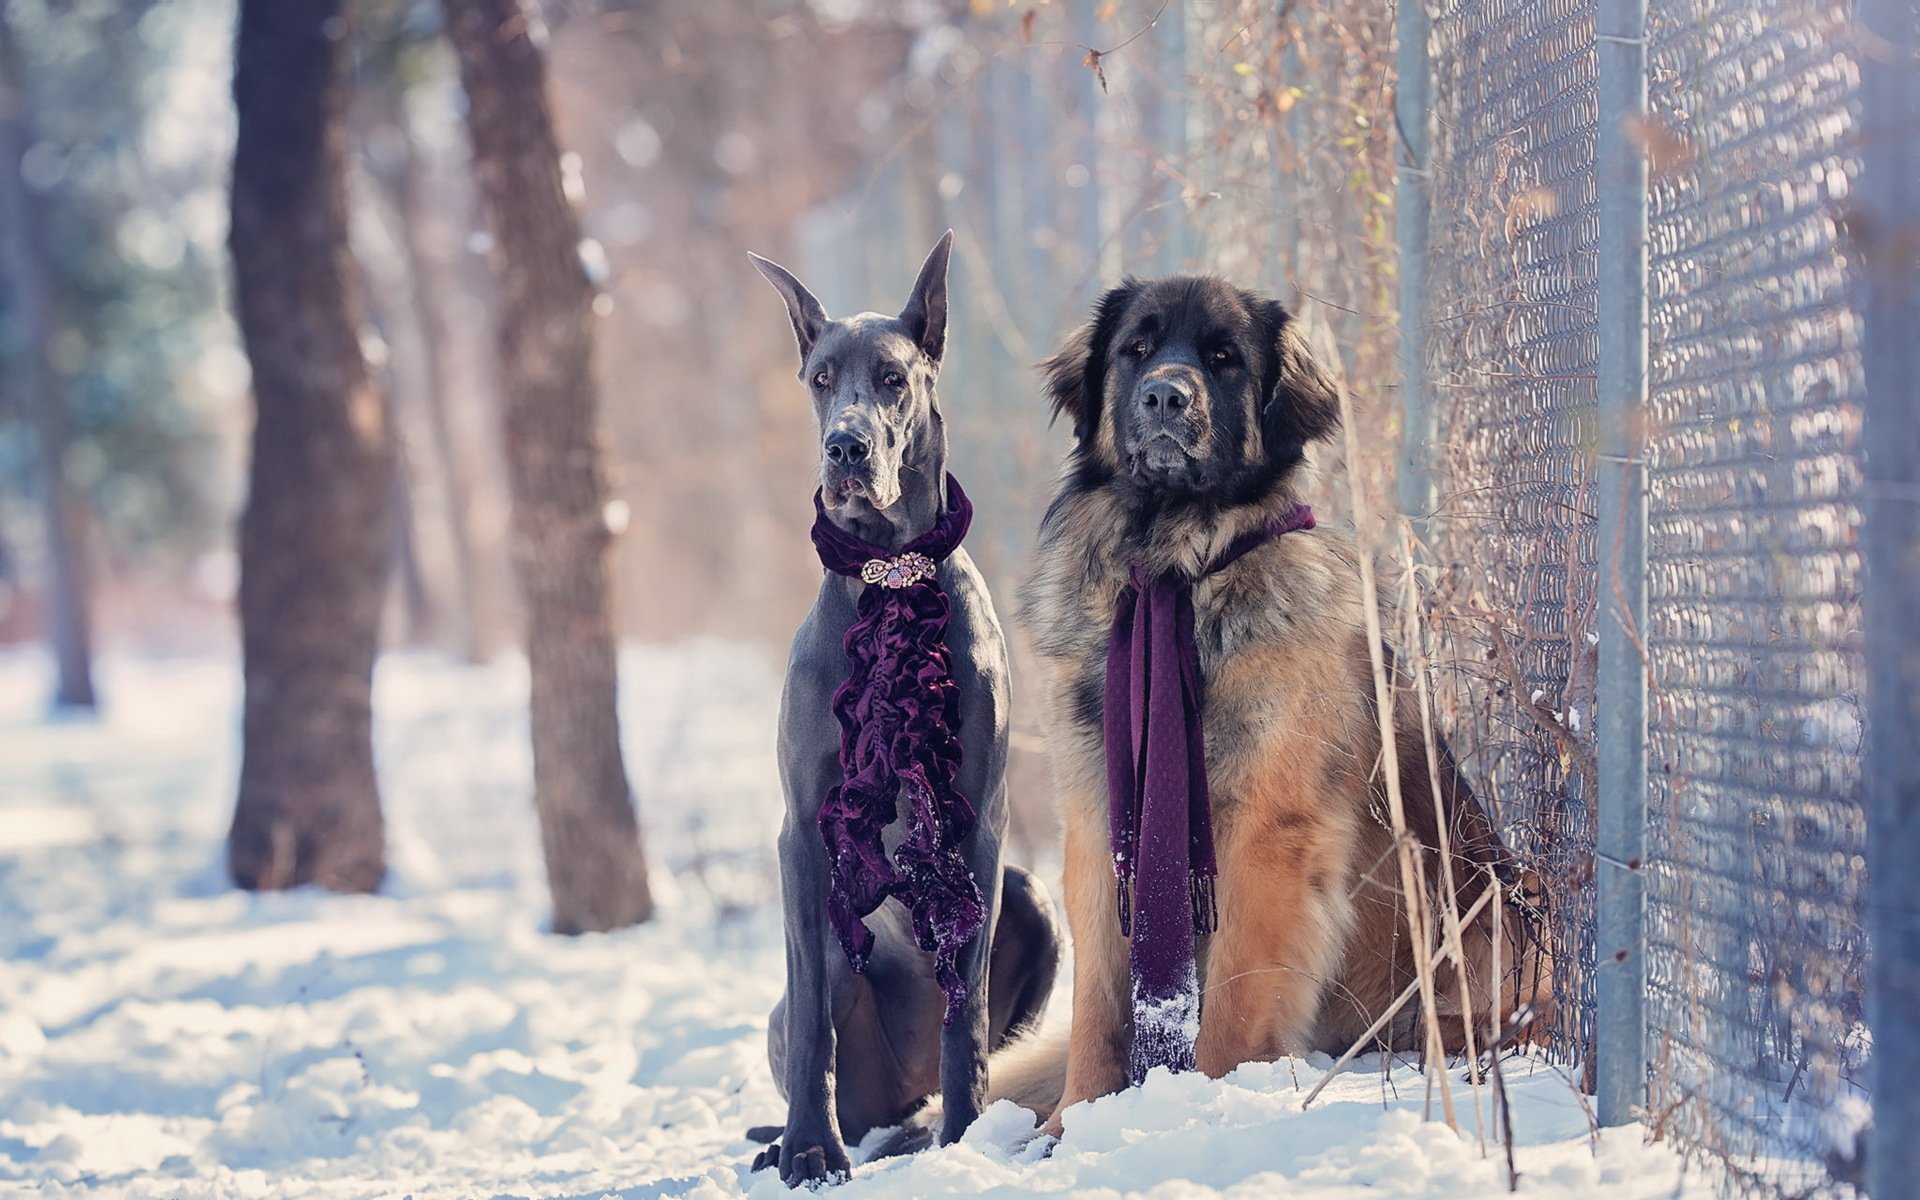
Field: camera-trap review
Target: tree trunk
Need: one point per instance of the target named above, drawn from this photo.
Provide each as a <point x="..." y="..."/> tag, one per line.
<point x="595" y="866"/>
<point x="30" y="276"/>
<point x="315" y="540"/>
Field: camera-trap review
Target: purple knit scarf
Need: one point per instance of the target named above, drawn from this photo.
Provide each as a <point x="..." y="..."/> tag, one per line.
<point x="899" y="714"/>
<point x="1160" y="815"/>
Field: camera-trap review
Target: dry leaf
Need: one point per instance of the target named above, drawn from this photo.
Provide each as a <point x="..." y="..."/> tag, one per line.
<point x="1665" y="147"/>
<point x="1099" y="72"/>
<point x="1530" y="208"/>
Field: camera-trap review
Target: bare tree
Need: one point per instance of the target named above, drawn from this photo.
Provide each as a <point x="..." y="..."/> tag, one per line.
<point x="30" y="281"/>
<point x="315" y="538"/>
<point x="595" y="865"/>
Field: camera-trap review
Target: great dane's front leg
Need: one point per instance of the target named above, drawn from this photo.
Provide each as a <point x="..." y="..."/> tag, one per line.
<point x="811" y="1148"/>
<point x="963" y="1043"/>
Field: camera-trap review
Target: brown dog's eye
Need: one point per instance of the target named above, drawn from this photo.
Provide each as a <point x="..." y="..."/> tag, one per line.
<point x="894" y="380"/>
<point x="1137" y="347"/>
<point x="820" y="380"/>
<point x="1222" y="356"/>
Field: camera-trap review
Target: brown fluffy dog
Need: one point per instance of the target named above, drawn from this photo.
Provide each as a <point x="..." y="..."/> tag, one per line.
<point x="1192" y="403"/>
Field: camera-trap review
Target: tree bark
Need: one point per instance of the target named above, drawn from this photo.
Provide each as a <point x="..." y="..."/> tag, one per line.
<point x="595" y="866"/>
<point x="315" y="539"/>
<point x="30" y="276"/>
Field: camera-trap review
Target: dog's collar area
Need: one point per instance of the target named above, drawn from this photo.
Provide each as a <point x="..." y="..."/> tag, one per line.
<point x="902" y="570"/>
<point x="849" y="554"/>
<point x="1298" y="517"/>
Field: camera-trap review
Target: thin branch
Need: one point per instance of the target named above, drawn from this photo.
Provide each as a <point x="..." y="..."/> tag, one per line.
<point x="1412" y="883"/>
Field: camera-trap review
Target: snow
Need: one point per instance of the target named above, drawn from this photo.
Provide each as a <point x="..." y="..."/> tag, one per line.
<point x="162" y="1035"/>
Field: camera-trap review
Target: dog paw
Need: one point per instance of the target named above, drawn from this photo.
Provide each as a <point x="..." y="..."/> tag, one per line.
<point x="766" y="1135"/>
<point x="1039" y="1143"/>
<point x="955" y="1123"/>
<point x="814" y="1164"/>
<point x="769" y="1157"/>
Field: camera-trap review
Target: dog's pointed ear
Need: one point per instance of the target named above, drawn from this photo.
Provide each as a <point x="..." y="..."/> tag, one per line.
<point x="802" y="309"/>
<point x="925" y="315"/>
<point x="1303" y="405"/>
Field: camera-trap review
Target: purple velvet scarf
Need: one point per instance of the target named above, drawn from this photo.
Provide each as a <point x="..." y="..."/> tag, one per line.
<point x="1160" y="814"/>
<point x="899" y="714"/>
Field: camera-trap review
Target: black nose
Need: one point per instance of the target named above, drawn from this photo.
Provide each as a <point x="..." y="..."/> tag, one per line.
<point x="845" y="446"/>
<point x="1165" y="396"/>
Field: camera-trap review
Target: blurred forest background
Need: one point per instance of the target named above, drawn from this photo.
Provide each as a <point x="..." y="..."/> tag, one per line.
<point x="1066" y="143"/>
<point x="839" y="136"/>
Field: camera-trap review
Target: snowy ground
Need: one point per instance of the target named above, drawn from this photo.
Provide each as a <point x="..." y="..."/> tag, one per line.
<point x="162" y="1035"/>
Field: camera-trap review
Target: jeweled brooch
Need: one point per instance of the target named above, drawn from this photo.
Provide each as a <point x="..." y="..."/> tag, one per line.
<point x="903" y="570"/>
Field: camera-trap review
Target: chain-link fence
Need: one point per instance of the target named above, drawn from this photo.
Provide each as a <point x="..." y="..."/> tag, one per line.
<point x="1754" y="578"/>
<point x="1510" y="352"/>
<point x="1752" y="950"/>
<point x="1072" y="144"/>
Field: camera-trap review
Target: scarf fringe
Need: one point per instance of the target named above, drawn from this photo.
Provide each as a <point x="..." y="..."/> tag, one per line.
<point x="1206" y="904"/>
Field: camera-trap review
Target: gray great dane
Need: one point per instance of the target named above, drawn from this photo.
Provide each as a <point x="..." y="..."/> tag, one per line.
<point x="853" y="1052"/>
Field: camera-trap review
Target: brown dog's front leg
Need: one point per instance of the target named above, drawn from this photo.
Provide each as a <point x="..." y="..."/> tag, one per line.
<point x="1102" y="1001"/>
<point x="1285" y="910"/>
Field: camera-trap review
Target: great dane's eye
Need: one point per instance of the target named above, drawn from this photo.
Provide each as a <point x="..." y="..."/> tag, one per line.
<point x="820" y="380"/>
<point x="1138" y="347"/>
<point x="1222" y="356"/>
<point x="894" y="380"/>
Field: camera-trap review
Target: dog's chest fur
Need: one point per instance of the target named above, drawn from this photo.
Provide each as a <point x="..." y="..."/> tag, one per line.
<point x="1295" y="597"/>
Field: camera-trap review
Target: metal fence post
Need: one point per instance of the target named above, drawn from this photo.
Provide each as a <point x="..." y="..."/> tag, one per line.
<point x="1412" y="108"/>
<point x="1620" y="981"/>
<point x="1888" y="233"/>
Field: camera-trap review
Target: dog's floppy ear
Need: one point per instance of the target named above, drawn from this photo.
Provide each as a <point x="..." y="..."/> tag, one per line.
<point x="925" y="315"/>
<point x="1303" y="403"/>
<point x="802" y="309"/>
<point x="1076" y="374"/>
<point x="1065" y="375"/>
